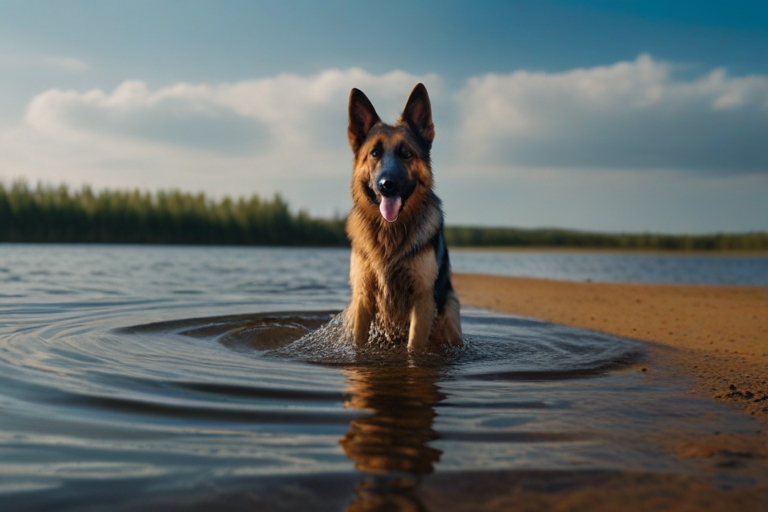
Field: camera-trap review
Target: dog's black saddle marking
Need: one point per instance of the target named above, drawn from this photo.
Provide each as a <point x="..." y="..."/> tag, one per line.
<point x="442" y="282"/>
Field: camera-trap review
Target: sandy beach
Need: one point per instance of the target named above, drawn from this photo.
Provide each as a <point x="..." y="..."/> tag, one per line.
<point x="716" y="335"/>
<point x="720" y="333"/>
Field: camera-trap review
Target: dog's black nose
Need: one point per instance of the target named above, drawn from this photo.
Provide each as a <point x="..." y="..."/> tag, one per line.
<point x="387" y="187"/>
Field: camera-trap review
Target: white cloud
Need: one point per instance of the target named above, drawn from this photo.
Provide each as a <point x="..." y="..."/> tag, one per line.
<point x="237" y="138"/>
<point x="636" y="114"/>
<point x="190" y="117"/>
<point x="562" y="148"/>
<point x="285" y="124"/>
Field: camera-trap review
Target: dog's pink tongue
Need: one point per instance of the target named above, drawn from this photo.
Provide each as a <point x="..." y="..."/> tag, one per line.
<point x="390" y="207"/>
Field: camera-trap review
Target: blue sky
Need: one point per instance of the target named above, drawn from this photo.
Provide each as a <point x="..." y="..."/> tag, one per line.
<point x="617" y="116"/>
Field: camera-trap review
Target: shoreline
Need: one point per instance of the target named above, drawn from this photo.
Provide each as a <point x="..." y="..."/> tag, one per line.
<point x="719" y="333"/>
<point x="715" y="335"/>
<point x="736" y="253"/>
<point x="756" y="253"/>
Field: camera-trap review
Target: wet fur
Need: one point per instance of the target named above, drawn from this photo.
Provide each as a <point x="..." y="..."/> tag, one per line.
<point x="399" y="270"/>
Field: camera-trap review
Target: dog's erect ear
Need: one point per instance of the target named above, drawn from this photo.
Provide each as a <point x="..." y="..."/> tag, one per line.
<point x="417" y="114"/>
<point x="362" y="117"/>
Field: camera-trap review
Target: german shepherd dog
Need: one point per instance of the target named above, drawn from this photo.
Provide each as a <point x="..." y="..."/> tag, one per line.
<point x="399" y="269"/>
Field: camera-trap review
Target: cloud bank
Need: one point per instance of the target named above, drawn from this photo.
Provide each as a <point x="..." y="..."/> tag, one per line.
<point x="288" y="133"/>
<point x="285" y="124"/>
<point x="635" y="115"/>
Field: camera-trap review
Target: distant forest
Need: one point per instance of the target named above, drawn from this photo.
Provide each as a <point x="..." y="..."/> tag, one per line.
<point x="56" y="214"/>
<point x="50" y="214"/>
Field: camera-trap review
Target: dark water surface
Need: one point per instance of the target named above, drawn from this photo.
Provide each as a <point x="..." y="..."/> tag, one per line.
<point x="141" y="378"/>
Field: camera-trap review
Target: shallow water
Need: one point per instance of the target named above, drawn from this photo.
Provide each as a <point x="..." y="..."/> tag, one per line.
<point x="135" y="378"/>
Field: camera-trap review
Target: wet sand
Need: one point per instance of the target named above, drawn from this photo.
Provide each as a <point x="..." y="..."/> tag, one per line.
<point x="720" y="333"/>
<point x="717" y="335"/>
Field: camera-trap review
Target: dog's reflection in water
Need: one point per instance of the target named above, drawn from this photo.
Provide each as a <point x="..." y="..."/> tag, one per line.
<point x="391" y="445"/>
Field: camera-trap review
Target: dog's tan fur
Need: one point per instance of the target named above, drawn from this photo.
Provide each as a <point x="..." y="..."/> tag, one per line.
<point x="394" y="265"/>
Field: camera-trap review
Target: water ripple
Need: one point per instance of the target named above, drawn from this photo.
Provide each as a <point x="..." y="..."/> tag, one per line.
<point x="134" y="374"/>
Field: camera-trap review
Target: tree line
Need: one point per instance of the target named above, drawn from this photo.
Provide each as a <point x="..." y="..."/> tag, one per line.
<point x="49" y="214"/>
<point x="58" y="214"/>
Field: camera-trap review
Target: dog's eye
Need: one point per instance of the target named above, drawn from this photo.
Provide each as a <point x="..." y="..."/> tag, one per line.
<point x="376" y="152"/>
<point x="406" y="153"/>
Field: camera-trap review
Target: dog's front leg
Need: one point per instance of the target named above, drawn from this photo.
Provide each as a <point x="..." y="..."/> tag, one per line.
<point x="361" y="309"/>
<point x="424" y="271"/>
<point x="360" y="316"/>
<point x="422" y="316"/>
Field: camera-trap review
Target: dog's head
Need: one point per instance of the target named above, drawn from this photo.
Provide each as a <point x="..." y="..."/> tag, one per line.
<point x="392" y="163"/>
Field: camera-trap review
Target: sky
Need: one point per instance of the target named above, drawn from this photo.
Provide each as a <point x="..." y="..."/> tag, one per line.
<point x="600" y="115"/>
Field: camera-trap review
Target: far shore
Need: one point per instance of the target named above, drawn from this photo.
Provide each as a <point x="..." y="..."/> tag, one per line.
<point x="612" y="250"/>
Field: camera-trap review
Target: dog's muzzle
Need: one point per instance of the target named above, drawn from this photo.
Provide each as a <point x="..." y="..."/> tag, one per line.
<point x="391" y="182"/>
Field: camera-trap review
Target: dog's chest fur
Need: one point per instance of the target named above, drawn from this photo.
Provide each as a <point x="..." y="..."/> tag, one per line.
<point x="394" y="294"/>
<point x="395" y="256"/>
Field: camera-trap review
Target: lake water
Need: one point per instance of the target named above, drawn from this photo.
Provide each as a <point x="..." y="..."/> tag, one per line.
<point x="617" y="267"/>
<point x="177" y="378"/>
